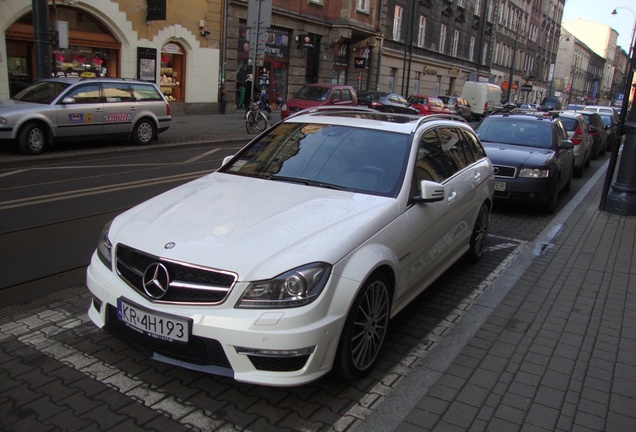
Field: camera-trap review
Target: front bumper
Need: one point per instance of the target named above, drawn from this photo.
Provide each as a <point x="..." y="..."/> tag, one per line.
<point x="278" y="347"/>
<point x="523" y="189"/>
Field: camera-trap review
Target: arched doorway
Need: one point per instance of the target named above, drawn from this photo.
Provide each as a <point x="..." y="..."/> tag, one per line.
<point x="171" y="79"/>
<point x="92" y="48"/>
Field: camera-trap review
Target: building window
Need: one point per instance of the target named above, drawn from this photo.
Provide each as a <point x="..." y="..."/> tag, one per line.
<point x="485" y="51"/>
<point x="461" y="3"/>
<point x="421" y="35"/>
<point x="455" y="43"/>
<point x="442" y="38"/>
<point x="478" y="7"/>
<point x="397" y="23"/>
<point x="362" y="6"/>
<point x="471" y="50"/>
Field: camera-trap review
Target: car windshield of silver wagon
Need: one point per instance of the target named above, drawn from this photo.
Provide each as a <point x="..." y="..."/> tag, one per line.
<point x="337" y="157"/>
<point x="43" y="92"/>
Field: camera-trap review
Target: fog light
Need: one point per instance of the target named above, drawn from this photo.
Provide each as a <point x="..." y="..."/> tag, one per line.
<point x="275" y="353"/>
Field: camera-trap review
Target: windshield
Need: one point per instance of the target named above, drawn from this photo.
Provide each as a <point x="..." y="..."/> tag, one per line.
<point x="338" y="157"/>
<point x="529" y="132"/>
<point x="313" y="93"/>
<point x="43" y="92"/>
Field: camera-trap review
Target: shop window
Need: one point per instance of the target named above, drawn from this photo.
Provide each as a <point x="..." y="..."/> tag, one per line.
<point x="172" y="71"/>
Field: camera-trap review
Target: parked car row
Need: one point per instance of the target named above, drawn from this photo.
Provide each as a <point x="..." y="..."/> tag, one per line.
<point x="321" y="94"/>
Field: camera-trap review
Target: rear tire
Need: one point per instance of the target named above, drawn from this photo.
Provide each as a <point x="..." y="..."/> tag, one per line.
<point x="365" y="329"/>
<point x="33" y="138"/>
<point x="480" y="234"/>
<point x="249" y="122"/>
<point x="144" y="132"/>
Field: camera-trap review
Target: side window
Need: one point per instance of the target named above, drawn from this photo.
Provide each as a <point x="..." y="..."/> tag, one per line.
<point x="335" y="95"/>
<point x="432" y="163"/>
<point x="87" y="93"/>
<point x="474" y="145"/>
<point x="346" y="95"/>
<point x="118" y="92"/>
<point x="455" y="148"/>
<point x="146" y="92"/>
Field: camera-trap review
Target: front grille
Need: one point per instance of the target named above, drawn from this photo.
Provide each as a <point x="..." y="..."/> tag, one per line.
<point x="188" y="283"/>
<point x="505" y="171"/>
<point x="198" y="350"/>
<point x="278" y="364"/>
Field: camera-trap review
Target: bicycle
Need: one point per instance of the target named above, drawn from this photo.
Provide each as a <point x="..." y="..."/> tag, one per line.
<point x="255" y="118"/>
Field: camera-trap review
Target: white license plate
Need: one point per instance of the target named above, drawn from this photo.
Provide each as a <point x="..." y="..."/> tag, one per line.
<point x="500" y="186"/>
<point x="157" y="325"/>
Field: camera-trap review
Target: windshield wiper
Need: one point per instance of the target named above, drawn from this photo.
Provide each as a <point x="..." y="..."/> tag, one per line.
<point x="307" y="182"/>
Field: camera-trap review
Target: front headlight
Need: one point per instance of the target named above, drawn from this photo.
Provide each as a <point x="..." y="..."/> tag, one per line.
<point x="105" y="247"/>
<point x="294" y="288"/>
<point x="3" y="120"/>
<point x="534" y="173"/>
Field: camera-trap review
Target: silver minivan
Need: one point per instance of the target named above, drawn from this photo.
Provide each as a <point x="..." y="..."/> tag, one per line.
<point x="78" y="108"/>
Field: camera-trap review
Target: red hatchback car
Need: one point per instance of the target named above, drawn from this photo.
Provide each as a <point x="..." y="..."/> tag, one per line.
<point x="428" y="105"/>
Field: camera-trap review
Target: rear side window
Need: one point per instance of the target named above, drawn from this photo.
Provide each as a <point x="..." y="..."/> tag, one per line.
<point x="456" y="148"/>
<point x="146" y="92"/>
<point x="118" y="92"/>
<point x="570" y="124"/>
<point x="345" y="95"/>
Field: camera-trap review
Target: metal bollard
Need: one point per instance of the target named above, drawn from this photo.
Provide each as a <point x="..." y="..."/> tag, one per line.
<point x="621" y="199"/>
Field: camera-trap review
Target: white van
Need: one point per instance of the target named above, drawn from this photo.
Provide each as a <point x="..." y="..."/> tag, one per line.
<point x="484" y="98"/>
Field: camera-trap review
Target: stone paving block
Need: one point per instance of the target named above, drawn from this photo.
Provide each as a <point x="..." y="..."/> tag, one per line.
<point x="28" y="423"/>
<point x="79" y="403"/>
<point x="44" y="408"/>
<point x="473" y="395"/>
<point x="588" y="421"/>
<point x="164" y="423"/>
<point x="543" y="416"/>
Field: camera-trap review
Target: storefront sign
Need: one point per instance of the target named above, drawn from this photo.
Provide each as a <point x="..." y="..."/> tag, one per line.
<point x="147" y="64"/>
<point x="360" y="63"/>
<point x="156" y="10"/>
<point x="171" y="48"/>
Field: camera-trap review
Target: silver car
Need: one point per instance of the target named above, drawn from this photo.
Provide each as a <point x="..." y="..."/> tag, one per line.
<point x="578" y="132"/>
<point x="79" y="108"/>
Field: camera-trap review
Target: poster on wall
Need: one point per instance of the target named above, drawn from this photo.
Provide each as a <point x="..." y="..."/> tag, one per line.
<point x="147" y="64"/>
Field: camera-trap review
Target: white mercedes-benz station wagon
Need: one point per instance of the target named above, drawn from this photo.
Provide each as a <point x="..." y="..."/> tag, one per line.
<point x="290" y="259"/>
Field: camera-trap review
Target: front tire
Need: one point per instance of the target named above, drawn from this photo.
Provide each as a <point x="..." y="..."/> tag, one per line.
<point x="480" y="234"/>
<point x="261" y="122"/>
<point x="365" y="329"/>
<point x="144" y="132"/>
<point x="33" y="138"/>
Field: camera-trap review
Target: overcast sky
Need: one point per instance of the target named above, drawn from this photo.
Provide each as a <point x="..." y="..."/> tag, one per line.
<point x="600" y="11"/>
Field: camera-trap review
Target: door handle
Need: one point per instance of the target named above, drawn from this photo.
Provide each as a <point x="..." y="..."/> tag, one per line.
<point x="452" y="197"/>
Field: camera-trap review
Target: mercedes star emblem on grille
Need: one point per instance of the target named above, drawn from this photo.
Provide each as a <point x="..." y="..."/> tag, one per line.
<point x="156" y="280"/>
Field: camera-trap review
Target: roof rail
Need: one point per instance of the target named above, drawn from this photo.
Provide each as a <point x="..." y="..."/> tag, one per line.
<point x="431" y="117"/>
<point x="334" y="108"/>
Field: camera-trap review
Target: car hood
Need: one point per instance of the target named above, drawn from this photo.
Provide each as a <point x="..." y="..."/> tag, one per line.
<point x="515" y="155"/>
<point x="10" y="106"/>
<point x="256" y="228"/>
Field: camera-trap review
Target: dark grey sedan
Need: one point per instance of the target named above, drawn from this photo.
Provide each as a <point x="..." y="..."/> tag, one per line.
<point x="532" y="157"/>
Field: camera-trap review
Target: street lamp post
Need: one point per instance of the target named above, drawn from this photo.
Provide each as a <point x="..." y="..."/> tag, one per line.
<point x="622" y="198"/>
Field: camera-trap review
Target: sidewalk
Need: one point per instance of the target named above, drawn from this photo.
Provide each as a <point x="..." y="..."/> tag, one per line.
<point x="557" y="352"/>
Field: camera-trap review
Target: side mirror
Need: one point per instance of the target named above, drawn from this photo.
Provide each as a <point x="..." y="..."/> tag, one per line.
<point x="592" y="129"/>
<point x="226" y="159"/>
<point x="431" y="192"/>
<point x="68" y="100"/>
<point x="566" y="144"/>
